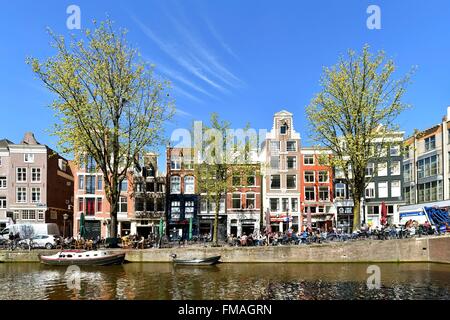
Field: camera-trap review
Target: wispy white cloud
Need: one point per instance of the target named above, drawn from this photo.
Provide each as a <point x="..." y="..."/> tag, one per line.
<point x="200" y="52"/>
<point x="186" y="94"/>
<point x="183" y="113"/>
<point x="176" y="54"/>
<point x="174" y="75"/>
<point x="219" y="39"/>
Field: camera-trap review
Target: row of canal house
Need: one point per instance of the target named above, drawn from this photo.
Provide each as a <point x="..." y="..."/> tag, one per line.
<point x="291" y="188"/>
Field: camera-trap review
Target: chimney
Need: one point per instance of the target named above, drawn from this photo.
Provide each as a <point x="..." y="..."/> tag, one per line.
<point x="29" y="139"/>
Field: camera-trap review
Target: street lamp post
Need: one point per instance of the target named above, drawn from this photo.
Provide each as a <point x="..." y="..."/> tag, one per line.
<point x="65" y="216"/>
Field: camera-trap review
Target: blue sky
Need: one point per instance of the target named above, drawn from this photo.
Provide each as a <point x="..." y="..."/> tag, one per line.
<point x="245" y="59"/>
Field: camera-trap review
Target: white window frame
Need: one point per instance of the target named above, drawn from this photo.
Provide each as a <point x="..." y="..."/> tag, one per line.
<point x="398" y="171"/>
<point x="382" y="169"/>
<point x="308" y="173"/>
<point x="314" y="191"/>
<point x="35" y="173"/>
<point x="3" y="182"/>
<point x="385" y="185"/>
<point x="172" y="180"/>
<point x="253" y="197"/>
<point x="370" y="190"/>
<point x="236" y="196"/>
<point x="397" y="188"/>
<point x="295" y="163"/>
<point x="328" y="176"/>
<point x="271" y="181"/>
<point x="37" y="191"/>
<point x="28" y="158"/>
<point x="308" y="156"/>
<point x="295" y="182"/>
<point x="23" y="172"/>
<point x="3" y="202"/>
<point x="24" y="193"/>
<point x="189" y="188"/>
<point x="295" y="145"/>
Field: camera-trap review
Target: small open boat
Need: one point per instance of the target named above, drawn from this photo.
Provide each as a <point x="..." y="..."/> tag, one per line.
<point x="83" y="257"/>
<point x="196" y="261"/>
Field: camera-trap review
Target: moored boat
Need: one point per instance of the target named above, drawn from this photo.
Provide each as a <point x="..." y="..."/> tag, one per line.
<point x="196" y="261"/>
<point x="83" y="257"/>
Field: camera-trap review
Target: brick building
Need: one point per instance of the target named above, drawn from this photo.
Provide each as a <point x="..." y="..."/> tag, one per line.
<point x="317" y="189"/>
<point x="36" y="184"/>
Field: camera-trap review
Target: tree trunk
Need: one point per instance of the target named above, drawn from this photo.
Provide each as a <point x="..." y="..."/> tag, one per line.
<point x="216" y="223"/>
<point x="356" y="213"/>
<point x="113" y="215"/>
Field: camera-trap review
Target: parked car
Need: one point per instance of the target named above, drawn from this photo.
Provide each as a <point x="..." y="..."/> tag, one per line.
<point x="41" y="241"/>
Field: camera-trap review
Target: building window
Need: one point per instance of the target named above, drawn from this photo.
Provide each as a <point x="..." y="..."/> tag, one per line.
<point x="251" y="181"/>
<point x="90" y="184"/>
<point x="428" y="167"/>
<point x="189" y="184"/>
<point x="275" y="181"/>
<point x="36" y="195"/>
<point x="80" y="204"/>
<point x="275" y="147"/>
<point x="81" y="183"/>
<point x="430" y="143"/>
<point x="324" y="194"/>
<point x="35" y="174"/>
<point x="284" y="204"/>
<point x="175" y="209"/>
<point x="3" y="182"/>
<point x="382" y="189"/>
<point x="323" y="176"/>
<point x="236" y="201"/>
<point x="123" y="186"/>
<point x="395" y="168"/>
<point x="310" y="194"/>
<point x="40" y="215"/>
<point x="292" y="162"/>
<point x="370" y="190"/>
<point x="28" y="157"/>
<point x="28" y="215"/>
<point x="308" y="160"/>
<point x="373" y="210"/>
<point x="250" y="200"/>
<point x="21" y="195"/>
<point x="309" y="176"/>
<point x="91" y="166"/>
<point x="123" y="204"/>
<point x="274" y="204"/>
<point x="188" y="163"/>
<point x="396" y="188"/>
<point x="90" y="206"/>
<point x="431" y="191"/>
<point x="274" y="162"/>
<point x="370" y="169"/>
<point x="382" y="169"/>
<point x="175" y="162"/>
<point x="21" y="175"/>
<point x="283" y="128"/>
<point x="189" y="209"/>
<point x="291" y="145"/>
<point x="236" y="181"/>
<point x="340" y="190"/>
<point x="407" y="172"/>
<point x="99" y="205"/>
<point x="294" y="204"/>
<point x="175" y="185"/>
<point x="99" y="183"/>
<point x="395" y="151"/>
<point x="291" y="181"/>
<point x="2" y="202"/>
<point x="204" y="205"/>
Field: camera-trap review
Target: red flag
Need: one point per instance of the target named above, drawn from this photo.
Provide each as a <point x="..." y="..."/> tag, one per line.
<point x="383" y="213"/>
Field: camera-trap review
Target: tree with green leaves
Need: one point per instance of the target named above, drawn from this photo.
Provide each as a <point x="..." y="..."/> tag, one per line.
<point x="221" y="154"/>
<point x="356" y="110"/>
<point x="109" y="103"/>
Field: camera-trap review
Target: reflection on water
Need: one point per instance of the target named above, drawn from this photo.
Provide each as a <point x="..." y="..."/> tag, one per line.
<point x="227" y="281"/>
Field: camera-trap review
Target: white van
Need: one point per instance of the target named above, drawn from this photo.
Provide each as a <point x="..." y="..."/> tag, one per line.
<point x="28" y="230"/>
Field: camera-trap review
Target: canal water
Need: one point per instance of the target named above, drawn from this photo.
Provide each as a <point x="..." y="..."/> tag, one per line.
<point x="225" y="281"/>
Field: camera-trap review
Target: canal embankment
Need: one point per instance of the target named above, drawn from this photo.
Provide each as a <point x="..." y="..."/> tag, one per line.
<point x="425" y="249"/>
